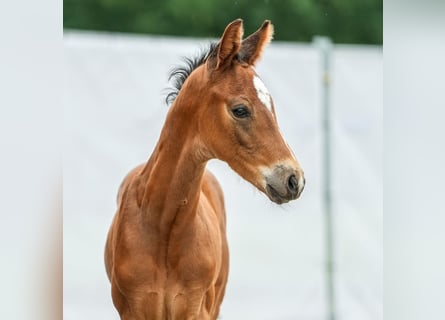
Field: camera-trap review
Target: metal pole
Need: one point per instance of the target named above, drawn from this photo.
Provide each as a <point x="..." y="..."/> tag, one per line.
<point x="325" y="46"/>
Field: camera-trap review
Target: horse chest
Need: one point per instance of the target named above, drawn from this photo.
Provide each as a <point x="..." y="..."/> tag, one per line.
<point x="190" y="282"/>
<point x="191" y="255"/>
<point x="195" y="253"/>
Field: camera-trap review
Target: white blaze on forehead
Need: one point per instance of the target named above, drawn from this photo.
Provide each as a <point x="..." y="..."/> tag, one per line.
<point x="263" y="93"/>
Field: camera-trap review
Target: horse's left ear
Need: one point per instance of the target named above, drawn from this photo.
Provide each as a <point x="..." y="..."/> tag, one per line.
<point x="230" y="43"/>
<point x="252" y="47"/>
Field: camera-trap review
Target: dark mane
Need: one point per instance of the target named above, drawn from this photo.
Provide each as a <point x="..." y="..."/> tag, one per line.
<point x="179" y="74"/>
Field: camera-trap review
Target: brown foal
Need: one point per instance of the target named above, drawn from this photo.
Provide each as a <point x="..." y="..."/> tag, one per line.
<point x="166" y="254"/>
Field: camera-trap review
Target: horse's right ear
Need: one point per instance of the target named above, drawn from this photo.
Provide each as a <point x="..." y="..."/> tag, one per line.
<point x="253" y="46"/>
<point x="230" y="43"/>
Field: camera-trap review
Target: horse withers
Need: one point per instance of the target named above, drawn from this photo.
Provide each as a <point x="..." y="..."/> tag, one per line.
<point x="166" y="254"/>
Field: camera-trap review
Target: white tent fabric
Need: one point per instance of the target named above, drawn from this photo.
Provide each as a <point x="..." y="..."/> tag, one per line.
<point x="114" y="110"/>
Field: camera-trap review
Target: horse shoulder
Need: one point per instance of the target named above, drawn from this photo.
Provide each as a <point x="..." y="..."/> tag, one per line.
<point x="116" y="227"/>
<point x="126" y="182"/>
<point x="214" y="194"/>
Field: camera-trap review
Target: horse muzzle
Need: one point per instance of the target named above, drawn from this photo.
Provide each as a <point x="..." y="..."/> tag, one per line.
<point x="284" y="184"/>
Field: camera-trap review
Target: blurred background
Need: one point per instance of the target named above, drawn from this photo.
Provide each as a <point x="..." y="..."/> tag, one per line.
<point x="319" y="257"/>
<point x="345" y="21"/>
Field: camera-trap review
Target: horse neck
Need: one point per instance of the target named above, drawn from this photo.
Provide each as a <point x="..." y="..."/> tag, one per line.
<point x="172" y="177"/>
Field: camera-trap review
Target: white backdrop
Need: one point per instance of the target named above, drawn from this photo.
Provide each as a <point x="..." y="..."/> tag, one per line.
<point x="114" y="110"/>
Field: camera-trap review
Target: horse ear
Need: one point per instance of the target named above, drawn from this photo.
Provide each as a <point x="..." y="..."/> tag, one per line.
<point x="252" y="47"/>
<point x="230" y="43"/>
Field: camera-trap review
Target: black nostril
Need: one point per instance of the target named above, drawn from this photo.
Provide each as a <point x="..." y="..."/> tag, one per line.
<point x="292" y="184"/>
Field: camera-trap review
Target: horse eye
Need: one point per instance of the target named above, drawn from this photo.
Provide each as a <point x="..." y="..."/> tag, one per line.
<point x="240" y="111"/>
